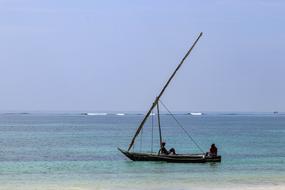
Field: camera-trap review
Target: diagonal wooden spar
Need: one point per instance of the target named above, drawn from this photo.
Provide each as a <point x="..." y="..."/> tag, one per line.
<point x="162" y="91"/>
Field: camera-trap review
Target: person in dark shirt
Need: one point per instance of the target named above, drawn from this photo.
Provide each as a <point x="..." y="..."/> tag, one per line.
<point x="213" y="150"/>
<point x="163" y="150"/>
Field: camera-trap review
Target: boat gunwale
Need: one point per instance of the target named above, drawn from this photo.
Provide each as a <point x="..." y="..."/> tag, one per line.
<point x="189" y="156"/>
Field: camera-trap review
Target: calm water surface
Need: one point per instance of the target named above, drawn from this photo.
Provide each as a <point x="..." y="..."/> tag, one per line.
<point x="73" y="149"/>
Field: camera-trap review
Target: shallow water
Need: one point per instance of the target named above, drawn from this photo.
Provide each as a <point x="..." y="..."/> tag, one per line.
<point x="78" y="151"/>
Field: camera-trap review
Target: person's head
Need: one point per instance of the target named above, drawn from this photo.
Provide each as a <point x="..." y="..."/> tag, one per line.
<point x="163" y="144"/>
<point x="213" y="145"/>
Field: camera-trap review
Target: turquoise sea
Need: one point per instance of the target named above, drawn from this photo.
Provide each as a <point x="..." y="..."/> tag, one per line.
<point x="74" y="151"/>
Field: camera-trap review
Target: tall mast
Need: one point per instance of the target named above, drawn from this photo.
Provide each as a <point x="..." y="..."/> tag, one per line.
<point x="159" y="128"/>
<point x="162" y="91"/>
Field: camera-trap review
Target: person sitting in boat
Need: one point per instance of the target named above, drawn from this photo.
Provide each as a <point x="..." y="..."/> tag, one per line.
<point x="213" y="150"/>
<point x="163" y="150"/>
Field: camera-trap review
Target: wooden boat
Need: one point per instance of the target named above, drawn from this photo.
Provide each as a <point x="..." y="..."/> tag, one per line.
<point x="177" y="158"/>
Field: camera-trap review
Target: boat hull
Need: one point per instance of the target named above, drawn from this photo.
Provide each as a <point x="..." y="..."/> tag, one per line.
<point x="178" y="158"/>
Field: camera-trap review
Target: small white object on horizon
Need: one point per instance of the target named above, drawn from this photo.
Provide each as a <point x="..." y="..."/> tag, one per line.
<point x="196" y="113"/>
<point x="96" y="114"/>
<point x="120" y="114"/>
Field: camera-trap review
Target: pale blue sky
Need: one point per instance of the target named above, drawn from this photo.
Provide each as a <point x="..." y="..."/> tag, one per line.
<point x="115" y="55"/>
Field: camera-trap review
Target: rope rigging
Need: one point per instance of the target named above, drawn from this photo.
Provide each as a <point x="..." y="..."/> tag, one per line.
<point x="141" y="140"/>
<point x="152" y="132"/>
<point x="152" y="136"/>
<point x="180" y="125"/>
<point x="175" y="119"/>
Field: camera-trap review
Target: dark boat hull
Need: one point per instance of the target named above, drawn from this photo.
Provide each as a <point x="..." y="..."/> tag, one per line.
<point x="178" y="158"/>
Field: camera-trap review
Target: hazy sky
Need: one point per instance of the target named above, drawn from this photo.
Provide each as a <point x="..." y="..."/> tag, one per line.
<point x="115" y="55"/>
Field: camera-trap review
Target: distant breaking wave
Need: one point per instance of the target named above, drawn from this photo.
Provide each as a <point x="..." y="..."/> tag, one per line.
<point x="196" y="113"/>
<point x="120" y="114"/>
<point x="95" y="114"/>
